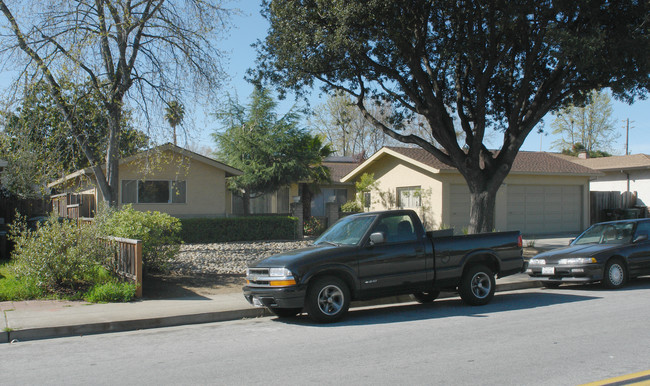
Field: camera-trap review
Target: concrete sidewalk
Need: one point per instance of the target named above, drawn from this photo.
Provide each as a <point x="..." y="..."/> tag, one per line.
<point x="41" y="319"/>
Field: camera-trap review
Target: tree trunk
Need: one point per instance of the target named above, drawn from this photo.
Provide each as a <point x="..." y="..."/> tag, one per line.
<point x="112" y="156"/>
<point x="306" y="196"/>
<point x="246" y="202"/>
<point x="481" y="211"/>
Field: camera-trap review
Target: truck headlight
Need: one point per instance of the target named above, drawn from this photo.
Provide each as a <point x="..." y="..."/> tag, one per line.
<point x="279" y="272"/>
<point x="577" y="260"/>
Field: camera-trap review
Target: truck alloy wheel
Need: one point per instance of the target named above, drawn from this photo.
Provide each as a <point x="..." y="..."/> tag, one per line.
<point x="328" y="299"/>
<point x="477" y="285"/>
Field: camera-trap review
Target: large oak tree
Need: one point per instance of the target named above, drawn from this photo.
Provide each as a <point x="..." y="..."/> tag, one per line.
<point x="494" y="65"/>
<point x="143" y="52"/>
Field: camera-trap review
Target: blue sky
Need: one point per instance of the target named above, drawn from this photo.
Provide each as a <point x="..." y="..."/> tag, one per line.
<point x="250" y="26"/>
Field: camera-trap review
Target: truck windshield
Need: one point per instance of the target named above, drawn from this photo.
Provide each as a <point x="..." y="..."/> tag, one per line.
<point x="613" y="233"/>
<point x="347" y="231"/>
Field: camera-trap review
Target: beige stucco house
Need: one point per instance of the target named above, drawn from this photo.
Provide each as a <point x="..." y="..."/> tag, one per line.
<point x="166" y="178"/>
<point x="542" y="193"/>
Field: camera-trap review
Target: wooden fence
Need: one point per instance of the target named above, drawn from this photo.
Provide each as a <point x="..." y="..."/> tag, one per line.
<point x="74" y="205"/>
<point x="127" y="263"/>
<point x="28" y="207"/>
<point x="606" y="206"/>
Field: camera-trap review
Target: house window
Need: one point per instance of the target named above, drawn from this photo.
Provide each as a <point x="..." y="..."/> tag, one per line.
<point x="318" y="202"/>
<point x="153" y="192"/>
<point x="409" y="197"/>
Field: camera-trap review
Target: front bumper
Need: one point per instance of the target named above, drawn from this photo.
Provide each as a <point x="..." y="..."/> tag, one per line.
<point x="282" y="297"/>
<point x="566" y="273"/>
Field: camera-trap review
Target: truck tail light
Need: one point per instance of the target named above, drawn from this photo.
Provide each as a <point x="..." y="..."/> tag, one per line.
<point x="520" y="242"/>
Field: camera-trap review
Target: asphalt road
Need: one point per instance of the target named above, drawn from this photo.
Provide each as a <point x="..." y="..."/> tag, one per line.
<point x="567" y="336"/>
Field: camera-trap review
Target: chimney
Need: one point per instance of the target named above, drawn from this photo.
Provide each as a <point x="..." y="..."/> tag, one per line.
<point x="583" y="155"/>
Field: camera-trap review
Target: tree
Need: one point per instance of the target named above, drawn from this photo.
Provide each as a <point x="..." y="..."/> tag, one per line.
<point x="495" y="65"/>
<point x="591" y="126"/>
<point x="317" y="175"/>
<point x="174" y="113"/>
<point x="343" y="125"/>
<point x="271" y="151"/>
<point x="157" y="46"/>
<point x="36" y="138"/>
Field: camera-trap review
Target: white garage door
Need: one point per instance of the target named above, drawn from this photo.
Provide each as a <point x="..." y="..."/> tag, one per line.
<point x="530" y="208"/>
<point x="544" y="209"/>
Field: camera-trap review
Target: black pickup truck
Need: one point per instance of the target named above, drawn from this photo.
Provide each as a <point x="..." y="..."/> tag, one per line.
<point x="376" y="254"/>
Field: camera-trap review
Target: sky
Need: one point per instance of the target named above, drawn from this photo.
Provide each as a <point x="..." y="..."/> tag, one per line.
<point x="249" y="26"/>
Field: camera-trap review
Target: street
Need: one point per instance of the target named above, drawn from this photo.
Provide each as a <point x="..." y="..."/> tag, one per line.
<point x="567" y="336"/>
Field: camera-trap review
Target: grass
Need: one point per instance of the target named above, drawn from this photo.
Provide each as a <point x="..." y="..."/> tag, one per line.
<point x="105" y="289"/>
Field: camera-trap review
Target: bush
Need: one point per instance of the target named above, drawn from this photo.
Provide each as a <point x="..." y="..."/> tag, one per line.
<point x="313" y="227"/>
<point x="113" y="291"/>
<point x="222" y="229"/>
<point x="159" y="232"/>
<point x="351" y="207"/>
<point x="57" y="256"/>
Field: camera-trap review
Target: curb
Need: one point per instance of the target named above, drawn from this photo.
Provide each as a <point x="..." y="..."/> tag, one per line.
<point x="206" y="317"/>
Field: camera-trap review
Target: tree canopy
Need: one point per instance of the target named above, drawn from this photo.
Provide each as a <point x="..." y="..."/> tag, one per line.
<point x="272" y="151"/>
<point x="36" y="140"/>
<point x="143" y="52"/>
<point x="590" y="125"/>
<point x="498" y="65"/>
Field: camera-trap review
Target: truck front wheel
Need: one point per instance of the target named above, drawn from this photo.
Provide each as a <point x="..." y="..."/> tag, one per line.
<point x="477" y="285"/>
<point x="328" y="299"/>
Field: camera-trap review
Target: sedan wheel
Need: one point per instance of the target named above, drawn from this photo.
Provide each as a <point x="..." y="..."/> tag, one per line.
<point x="615" y="275"/>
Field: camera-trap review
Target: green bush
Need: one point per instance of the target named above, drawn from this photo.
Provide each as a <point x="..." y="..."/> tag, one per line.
<point x="58" y="256"/>
<point x="221" y="229"/>
<point x="113" y="291"/>
<point x="351" y="207"/>
<point x="159" y="232"/>
<point x="313" y="227"/>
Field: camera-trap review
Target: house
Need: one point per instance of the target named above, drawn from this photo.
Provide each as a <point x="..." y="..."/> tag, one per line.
<point x="627" y="173"/>
<point x="279" y="201"/>
<point x="541" y="194"/>
<point x="166" y="178"/>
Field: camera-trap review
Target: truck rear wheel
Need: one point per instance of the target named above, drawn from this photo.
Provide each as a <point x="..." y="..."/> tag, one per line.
<point x="477" y="285"/>
<point x="328" y="299"/>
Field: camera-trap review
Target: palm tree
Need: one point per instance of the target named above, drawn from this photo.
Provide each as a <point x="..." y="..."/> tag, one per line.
<point x="174" y="113"/>
<point x="318" y="174"/>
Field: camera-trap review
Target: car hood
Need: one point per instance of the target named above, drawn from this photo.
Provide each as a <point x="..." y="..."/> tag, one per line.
<point x="587" y="250"/>
<point x="300" y="256"/>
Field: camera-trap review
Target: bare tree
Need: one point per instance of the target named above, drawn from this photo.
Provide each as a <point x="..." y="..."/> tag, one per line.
<point x="143" y="52"/>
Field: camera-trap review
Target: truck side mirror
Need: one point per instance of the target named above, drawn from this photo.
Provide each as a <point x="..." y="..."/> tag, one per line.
<point x="640" y="237"/>
<point x="377" y="238"/>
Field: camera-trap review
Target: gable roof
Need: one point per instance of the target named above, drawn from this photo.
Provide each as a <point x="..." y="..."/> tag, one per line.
<point x="338" y="170"/>
<point x="230" y="171"/>
<point x="621" y="162"/>
<point x="526" y="162"/>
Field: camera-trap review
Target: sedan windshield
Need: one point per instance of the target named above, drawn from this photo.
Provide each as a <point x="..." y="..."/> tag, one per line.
<point x="347" y="231"/>
<point x="613" y="233"/>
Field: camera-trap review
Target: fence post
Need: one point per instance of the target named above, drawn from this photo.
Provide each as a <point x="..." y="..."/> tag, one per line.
<point x="138" y="268"/>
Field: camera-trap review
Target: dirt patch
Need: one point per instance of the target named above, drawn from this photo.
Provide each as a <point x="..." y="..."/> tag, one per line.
<point x="159" y="286"/>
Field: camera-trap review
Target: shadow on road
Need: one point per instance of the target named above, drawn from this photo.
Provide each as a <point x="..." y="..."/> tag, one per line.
<point x="446" y="308"/>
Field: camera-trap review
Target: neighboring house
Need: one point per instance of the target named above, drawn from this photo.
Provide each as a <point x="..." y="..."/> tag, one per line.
<point x="627" y="173"/>
<point x="336" y="191"/>
<point x="167" y="179"/>
<point x="542" y="193"/>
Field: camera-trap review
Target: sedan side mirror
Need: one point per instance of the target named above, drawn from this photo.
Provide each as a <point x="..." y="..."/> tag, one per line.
<point x="639" y="238"/>
<point x="571" y="241"/>
<point x="377" y="238"/>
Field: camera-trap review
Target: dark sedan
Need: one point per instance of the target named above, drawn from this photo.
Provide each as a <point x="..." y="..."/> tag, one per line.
<point x="609" y="252"/>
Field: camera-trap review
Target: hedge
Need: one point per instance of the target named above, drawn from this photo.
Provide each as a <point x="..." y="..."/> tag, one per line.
<point x="220" y="229"/>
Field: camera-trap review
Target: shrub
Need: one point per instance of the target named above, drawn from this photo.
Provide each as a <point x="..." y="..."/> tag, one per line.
<point x="222" y="229"/>
<point x="13" y="288"/>
<point x="113" y="291"/>
<point x="58" y="256"/>
<point x="313" y="227"/>
<point x="351" y="207"/>
<point x="159" y="232"/>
